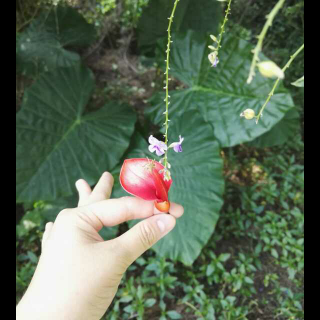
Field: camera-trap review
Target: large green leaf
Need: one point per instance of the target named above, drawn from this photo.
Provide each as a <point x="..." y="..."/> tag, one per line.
<point x="221" y="93"/>
<point x="198" y="185"/>
<point x="279" y="134"/>
<point x="57" y="143"/>
<point x="202" y="16"/>
<point x="69" y="27"/>
<point x="39" y="51"/>
<point x="41" y="47"/>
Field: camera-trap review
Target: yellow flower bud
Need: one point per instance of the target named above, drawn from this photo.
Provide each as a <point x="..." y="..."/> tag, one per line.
<point x="270" y="70"/>
<point x="213" y="38"/>
<point x="213" y="48"/>
<point x="249" y="114"/>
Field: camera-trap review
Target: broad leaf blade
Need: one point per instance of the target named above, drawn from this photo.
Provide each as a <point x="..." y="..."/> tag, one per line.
<point x="279" y="134"/>
<point x="39" y="51"/>
<point x="198" y="185"/>
<point x="41" y="47"/>
<point x="221" y="93"/>
<point x="57" y="144"/>
<point x="69" y="26"/>
<point x="202" y="16"/>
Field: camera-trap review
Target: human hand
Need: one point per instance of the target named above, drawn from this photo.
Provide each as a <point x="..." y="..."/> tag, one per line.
<point x="78" y="273"/>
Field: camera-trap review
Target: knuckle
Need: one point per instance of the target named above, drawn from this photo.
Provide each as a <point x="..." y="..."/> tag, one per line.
<point x="64" y="214"/>
<point x="148" y="235"/>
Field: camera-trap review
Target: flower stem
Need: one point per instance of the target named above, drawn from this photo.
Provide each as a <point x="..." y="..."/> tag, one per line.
<point x="223" y="25"/>
<point x="258" y="48"/>
<point x="278" y="80"/>
<point x="167" y="82"/>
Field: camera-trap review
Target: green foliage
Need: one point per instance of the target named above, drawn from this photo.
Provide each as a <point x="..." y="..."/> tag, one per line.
<point x="221" y="94"/>
<point x="28" y="237"/>
<point x="41" y="47"/>
<point x="98" y="10"/>
<point x="253" y="264"/>
<point x="58" y="143"/>
<point x="280" y="133"/>
<point x="202" y="16"/>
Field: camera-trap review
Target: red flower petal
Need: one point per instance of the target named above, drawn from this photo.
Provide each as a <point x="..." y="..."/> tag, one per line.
<point x="138" y="178"/>
<point x="161" y="188"/>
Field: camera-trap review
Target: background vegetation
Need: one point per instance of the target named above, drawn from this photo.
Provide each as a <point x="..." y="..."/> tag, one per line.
<point x="95" y="69"/>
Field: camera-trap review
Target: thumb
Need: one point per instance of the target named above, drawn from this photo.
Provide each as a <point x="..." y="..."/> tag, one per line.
<point x="144" y="235"/>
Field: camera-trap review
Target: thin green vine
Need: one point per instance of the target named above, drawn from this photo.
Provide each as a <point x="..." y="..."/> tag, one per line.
<point x="224" y="25"/>
<point x="166" y="124"/>
<point x="277" y="82"/>
<point x="258" y="48"/>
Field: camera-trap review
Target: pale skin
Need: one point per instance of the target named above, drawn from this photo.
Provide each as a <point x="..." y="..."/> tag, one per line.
<point x="78" y="273"/>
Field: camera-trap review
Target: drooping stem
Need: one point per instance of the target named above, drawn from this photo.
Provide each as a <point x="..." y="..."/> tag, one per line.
<point x="278" y="80"/>
<point x="258" y="48"/>
<point x="166" y="124"/>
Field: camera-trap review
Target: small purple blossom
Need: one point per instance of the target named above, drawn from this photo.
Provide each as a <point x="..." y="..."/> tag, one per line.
<point x="213" y="58"/>
<point x="215" y="63"/>
<point x="177" y="145"/>
<point x="157" y="146"/>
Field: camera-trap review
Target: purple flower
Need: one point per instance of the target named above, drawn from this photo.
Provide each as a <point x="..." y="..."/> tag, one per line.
<point x="177" y="145"/>
<point x="157" y="146"/>
<point x="213" y="58"/>
<point x="215" y="63"/>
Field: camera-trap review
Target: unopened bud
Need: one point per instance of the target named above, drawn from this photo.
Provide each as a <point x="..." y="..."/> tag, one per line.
<point x="213" y="38"/>
<point x="249" y="114"/>
<point x="212" y="48"/>
<point x="270" y="70"/>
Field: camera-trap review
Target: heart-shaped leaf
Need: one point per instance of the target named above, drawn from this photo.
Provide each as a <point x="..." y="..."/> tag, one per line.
<point x="279" y="134"/>
<point x="221" y="93"/>
<point x="197" y="184"/>
<point x="41" y="47"/>
<point x="201" y="16"/>
<point x="57" y="143"/>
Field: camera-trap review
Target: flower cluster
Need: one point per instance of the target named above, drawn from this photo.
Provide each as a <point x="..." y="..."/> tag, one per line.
<point x="160" y="148"/>
<point x="213" y="56"/>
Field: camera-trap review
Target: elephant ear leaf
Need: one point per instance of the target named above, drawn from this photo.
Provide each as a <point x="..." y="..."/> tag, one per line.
<point x="201" y="16"/>
<point x="44" y="45"/>
<point x="220" y="94"/>
<point x="58" y="142"/>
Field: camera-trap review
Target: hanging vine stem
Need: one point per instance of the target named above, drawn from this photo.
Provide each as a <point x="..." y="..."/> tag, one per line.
<point x="166" y="124"/>
<point x="258" y="48"/>
<point x="277" y="82"/>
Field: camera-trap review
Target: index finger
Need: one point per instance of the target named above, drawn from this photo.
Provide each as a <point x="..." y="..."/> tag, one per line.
<point x="115" y="211"/>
